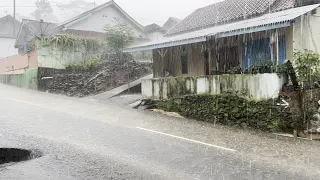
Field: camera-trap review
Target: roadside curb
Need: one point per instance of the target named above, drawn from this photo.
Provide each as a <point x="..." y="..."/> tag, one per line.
<point x="284" y="136"/>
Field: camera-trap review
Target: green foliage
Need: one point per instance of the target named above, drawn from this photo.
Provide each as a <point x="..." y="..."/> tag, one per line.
<point x="307" y="66"/>
<point x="230" y="109"/>
<point x="119" y="36"/>
<point x="44" y="11"/>
<point x="89" y="65"/>
<point x="260" y="67"/>
<point x="43" y="6"/>
<point x="67" y="42"/>
<point x="73" y="8"/>
<point x="281" y="69"/>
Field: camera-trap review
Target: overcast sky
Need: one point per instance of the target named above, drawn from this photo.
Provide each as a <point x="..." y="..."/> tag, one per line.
<point x="143" y="11"/>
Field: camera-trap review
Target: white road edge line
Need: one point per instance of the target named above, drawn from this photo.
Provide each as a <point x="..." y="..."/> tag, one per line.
<point x="26" y="102"/>
<point x="186" y="139"/>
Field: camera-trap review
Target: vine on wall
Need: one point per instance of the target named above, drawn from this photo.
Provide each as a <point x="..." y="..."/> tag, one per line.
<point x="66" y="42"/>
<point x="68" y="50"/>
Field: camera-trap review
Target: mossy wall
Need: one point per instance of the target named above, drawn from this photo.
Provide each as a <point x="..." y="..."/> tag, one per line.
<point x="28" y="79"/>
<point x="258" y="86"/>
<point x="60" y="56"/>
<point x="230" y="109"/>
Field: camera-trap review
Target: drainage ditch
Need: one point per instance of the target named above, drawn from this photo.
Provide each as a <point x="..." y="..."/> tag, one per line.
<point x="11" y="155"/>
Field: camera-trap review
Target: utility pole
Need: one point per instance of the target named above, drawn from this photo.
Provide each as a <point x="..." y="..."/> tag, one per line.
<point x="14" y="17"/>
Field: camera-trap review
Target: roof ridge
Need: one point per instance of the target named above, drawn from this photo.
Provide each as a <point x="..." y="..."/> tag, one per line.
<point x="111" y="2"/>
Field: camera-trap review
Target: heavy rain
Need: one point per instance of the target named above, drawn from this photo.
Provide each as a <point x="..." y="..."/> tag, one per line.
<point x="122" y="89"/>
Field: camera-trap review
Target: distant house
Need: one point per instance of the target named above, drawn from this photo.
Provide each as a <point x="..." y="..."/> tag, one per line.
<point x="30" y="29"/>
<point x="170" y="23"/>
<point x="106" y="14"/>
<point x="51" y="55"/>
<point x="155" y="32"/>
<point x="8" y="36"/>
<point x="234" y="34"/>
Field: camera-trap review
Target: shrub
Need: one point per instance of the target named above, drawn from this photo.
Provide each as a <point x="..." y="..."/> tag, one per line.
<point x="307" y="66"/>
<point x="89" y="65"/>
<point x="230" y="109"/>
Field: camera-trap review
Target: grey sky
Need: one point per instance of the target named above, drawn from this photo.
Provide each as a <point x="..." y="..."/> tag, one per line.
<point x="144" y="11"/>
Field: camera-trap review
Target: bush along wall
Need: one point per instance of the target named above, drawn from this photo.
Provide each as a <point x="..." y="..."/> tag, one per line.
<point x="230" y="109"/>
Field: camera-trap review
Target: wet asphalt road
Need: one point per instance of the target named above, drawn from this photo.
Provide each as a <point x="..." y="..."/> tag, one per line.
<point x="87" y="139"/>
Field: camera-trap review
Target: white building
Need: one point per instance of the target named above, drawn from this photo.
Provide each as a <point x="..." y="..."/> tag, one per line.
<point x="7" y="36"/>
<point x="106" y="14"/>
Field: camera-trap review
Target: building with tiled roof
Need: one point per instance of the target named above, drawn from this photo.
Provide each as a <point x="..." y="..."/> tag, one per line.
<point x="228" y="11"/>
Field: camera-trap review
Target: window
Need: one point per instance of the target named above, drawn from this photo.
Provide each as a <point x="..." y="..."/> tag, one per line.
<point x="255" y="51"/>
<point x="282" y="49"/>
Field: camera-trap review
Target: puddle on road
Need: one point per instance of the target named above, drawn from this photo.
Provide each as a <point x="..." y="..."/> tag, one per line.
<point x="13" y="155"/>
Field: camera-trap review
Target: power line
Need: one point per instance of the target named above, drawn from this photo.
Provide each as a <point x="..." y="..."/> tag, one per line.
<point x="56" y="4"/>
<point x="14" y="17"/>
<point x="28" y="6"/>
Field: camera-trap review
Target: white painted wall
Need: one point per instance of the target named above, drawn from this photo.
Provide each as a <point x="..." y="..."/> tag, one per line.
<point x="7" y="47"/>
<point x="97" y="20"/>
<point x="259" y="86"/>
<point x="306" y="32"/>
<point x="155" y="36"/>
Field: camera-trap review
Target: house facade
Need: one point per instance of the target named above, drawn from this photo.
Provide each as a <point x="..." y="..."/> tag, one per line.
<point x="171" y="23"/>
<point x="233" y="39"/>
<point x="8" y="36"/>
<point x="106" y="14"/>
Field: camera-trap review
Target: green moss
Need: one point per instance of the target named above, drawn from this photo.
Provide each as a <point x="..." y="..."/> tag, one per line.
<point x="230" y="109"/>
<point x="26" y="80"/>
<point x="176" y="87"/>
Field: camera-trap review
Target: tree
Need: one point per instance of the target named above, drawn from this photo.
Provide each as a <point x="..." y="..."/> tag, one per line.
<point x="118" y="36"/>
<point x="74" y="8"/>
<point x="44" y="11"/>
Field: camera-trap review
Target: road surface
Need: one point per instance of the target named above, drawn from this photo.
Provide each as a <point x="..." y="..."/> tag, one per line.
<point x="90" y="139"/>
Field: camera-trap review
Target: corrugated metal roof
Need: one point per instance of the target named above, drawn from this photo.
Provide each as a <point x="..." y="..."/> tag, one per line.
<point x="267" y="21"/>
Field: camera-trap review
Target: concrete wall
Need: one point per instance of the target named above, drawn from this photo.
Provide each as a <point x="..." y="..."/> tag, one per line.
<point x="97" y="20"/>
<point x="306" y="32"/>
<point x="26" y="78"/>
<point x="11" y="64"/>
<point x="58" y="57"/>
<point x="7" y="47"/>
<point x="259" y="86"/>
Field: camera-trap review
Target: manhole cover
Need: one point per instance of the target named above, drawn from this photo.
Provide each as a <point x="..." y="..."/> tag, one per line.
<point x="8" y="155"/>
